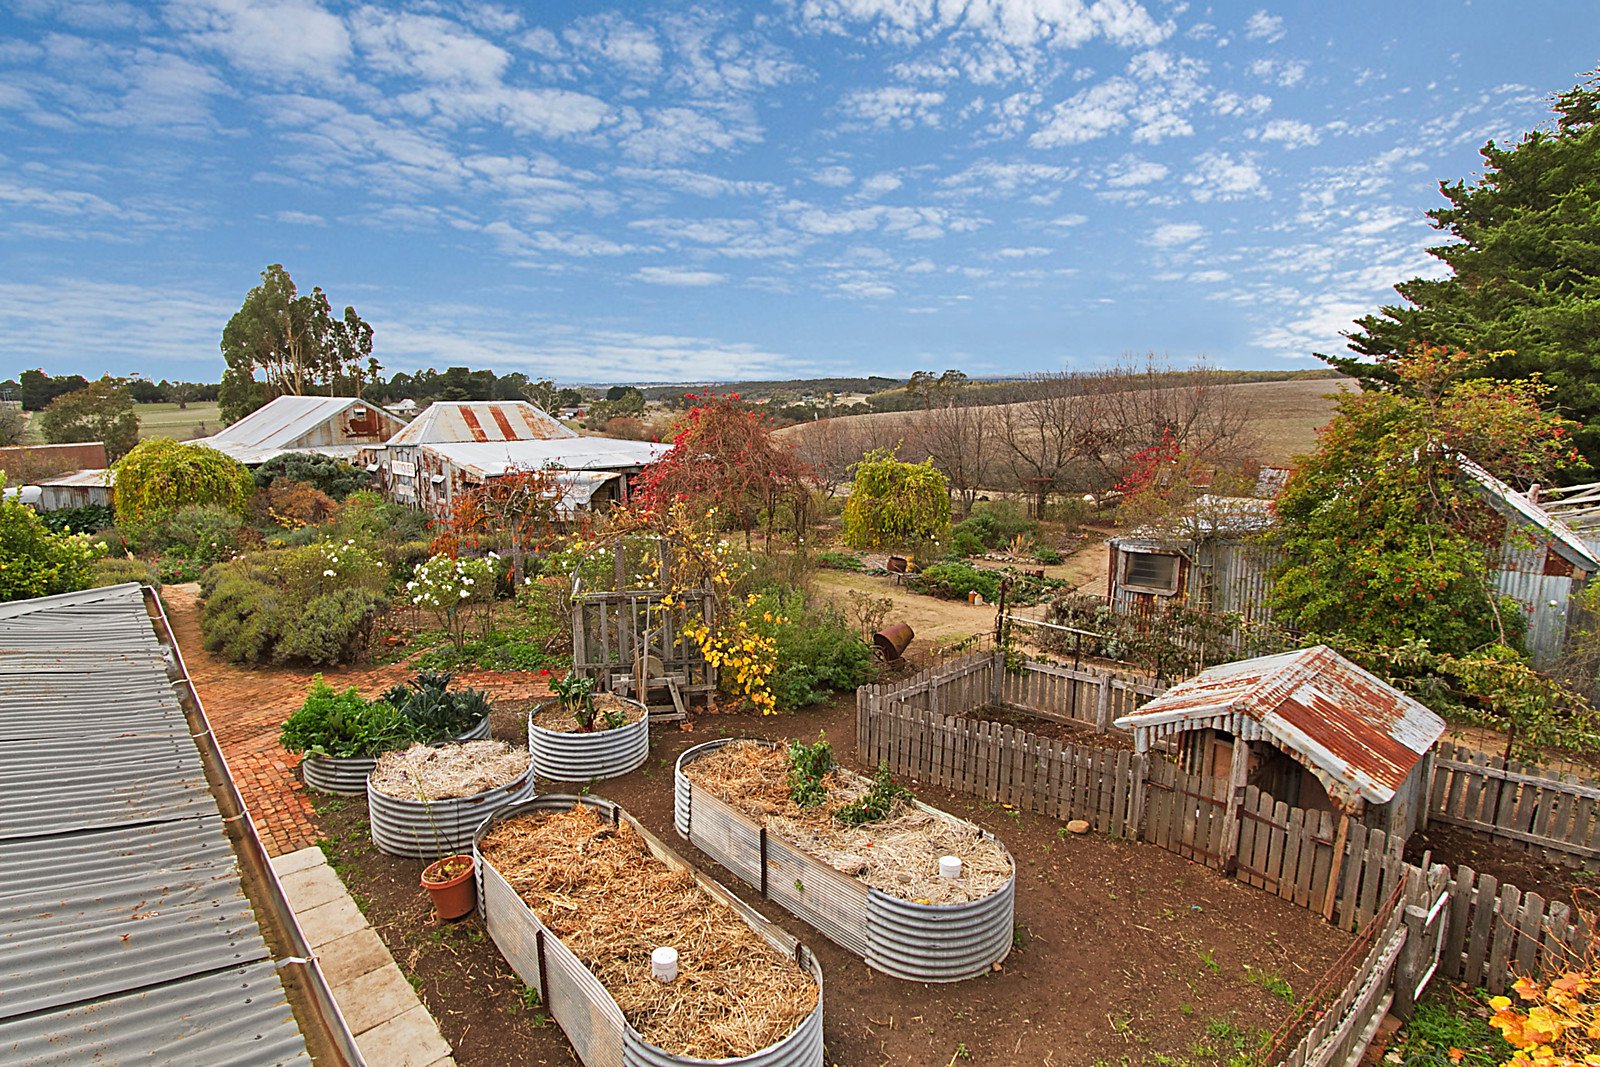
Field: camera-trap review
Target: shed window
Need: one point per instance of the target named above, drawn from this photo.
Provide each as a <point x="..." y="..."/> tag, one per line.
<point x="1150" y="572"/>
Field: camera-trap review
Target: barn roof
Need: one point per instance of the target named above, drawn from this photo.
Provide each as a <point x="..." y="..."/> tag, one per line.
<point x="490" y="459"/>
<point x="277" y="426"/>
<point x="1520" y="508"/>
<point x="1358" y="734"/>
<point x="449" y="422"/>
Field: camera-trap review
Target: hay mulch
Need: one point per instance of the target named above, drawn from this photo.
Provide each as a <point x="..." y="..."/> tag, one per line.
<point x="445" y="772"/>
<point x="554" y="716"/>
<point x="599" y="889"/>
<point x="898" y="855"/>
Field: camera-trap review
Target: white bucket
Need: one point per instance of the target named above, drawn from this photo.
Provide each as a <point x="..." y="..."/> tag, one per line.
<point x="950" y="867"/>
<point x="664" y="964"/>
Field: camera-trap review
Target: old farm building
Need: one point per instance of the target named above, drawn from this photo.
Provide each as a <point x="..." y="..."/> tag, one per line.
<point x="453" y="446"/>
<point x="337" y="426"/>
<point x="1309" y="727"/>
<point x="1212" y="558"/>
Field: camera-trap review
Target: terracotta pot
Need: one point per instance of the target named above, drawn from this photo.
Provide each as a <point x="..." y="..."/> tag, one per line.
<point x="456" y="896"/>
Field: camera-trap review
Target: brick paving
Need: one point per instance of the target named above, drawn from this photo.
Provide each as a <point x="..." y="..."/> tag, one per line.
<point x="247" y="705"/>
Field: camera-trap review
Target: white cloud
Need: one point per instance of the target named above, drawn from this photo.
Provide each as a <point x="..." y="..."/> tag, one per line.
<point x="279" y="40"/>
<point x="893" y="105"/>
<point x="427" y="47"/>
<point x="1228" y="102"/>
<point x="1130" y="171"/>
<point x="1017" y="23"/>
<point x="299" y="218"/>
<point x="1176" y="234"/>
<point x="1087" y="115"/>
<point x="835" y="177"/>
<point x="674" y="134"/>
<point x="680" y="276"/>
<point x="1022" y="252"/>
<point x="1264" y="27"/>
<point x="879" y="184"/>
<point x="1284" y="72"/>
<point x="1067" y="221"/>
<point x="989" y="177"/>
<point x="1291" y="133"/>
<point x="1154" y="99"/>
<point x="696" y="183"/>
<point x="618" y="42"/>
<point x="1220" y="176"/>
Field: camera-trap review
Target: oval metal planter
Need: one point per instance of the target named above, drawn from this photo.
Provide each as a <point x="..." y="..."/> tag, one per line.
<point x="559" y="756"/>
<point x="428" y="830"/>
<point x="600" y="1035"/>
<point x="347" y="775"/>
<point x="917" y="942"/>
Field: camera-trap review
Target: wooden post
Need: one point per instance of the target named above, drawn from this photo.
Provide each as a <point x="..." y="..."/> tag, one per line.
<point x="1102" y="711"/>
<point x="1409" y="967"/>
<point x="1339" y="841"/>
<point x="1238" y="774"/>
<point x="997" y="677"/>
<point x="1141" y="785"/>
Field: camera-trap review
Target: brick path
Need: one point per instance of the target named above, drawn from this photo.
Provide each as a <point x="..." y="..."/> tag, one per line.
<point x="247" y="705"/>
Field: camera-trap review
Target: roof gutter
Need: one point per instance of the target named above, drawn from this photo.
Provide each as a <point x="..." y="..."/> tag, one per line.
<point x="327" y="1033"/>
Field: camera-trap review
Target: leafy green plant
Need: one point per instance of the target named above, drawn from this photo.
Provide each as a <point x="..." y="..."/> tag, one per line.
<point x="840" y="561"/>
<point x="435" y="712"/>
<point x="332" y="476"/>
<point x="818" y="651"/>
<point x="1450" y="1030"/>
<point x="317" y="603"/>
<point x="91" y="518"/>
<point x="116" y="571"/>
<point x="35" y="562"/>
<point x="576" y="694"/>
<point x="992" y="526"/>
<point x="893" y="504"/>
<point x="343" y="724"/>
<point x="955" y="580"/>
<point x="878" y="803"/>
<point x="161" y="475"/>
<point x="808" y="766"/>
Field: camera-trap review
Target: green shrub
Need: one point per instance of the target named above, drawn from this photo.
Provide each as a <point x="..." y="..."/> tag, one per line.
<point x="118" y="570"/>
<point x="369" y="520"/>
<point x="994" y="525"/>
<point x="403" y="557"/>
<point x="878" y="803"/>
<point x="955" y="580"/>
<point x="316" y="603"/>
<point x="819" y="652"/>
<point x="965" y="542"/>
<point x="334" y="628"/>
<point x="91" y="518"/>
<point x="332" y="476"/>
<point x="161" y="475"/>
<point x="515" y="648"/>
<point x="343" y="724"/>
<point x="808" y="766"/>
<point x="840" y="561"/>
<point x="242" y="617"/>
<point x="201" y="534"/>
<point x="35" y="562"/>
<point x="1048" y="556"/>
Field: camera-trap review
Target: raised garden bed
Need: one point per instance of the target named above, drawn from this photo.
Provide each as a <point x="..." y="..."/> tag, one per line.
<point x="576" y="895"/>
<point x="564" y="753"/>
<point x="875" y="890"/>
<point x="347" y="775"/>
<point x="427" y="801"/>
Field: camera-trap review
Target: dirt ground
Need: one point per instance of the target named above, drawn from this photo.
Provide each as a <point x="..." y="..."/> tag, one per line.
<point x="1125" y="954"/>
<point x="1455" y="846"/>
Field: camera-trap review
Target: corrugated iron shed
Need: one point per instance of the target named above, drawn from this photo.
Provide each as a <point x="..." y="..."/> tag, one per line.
<point x="294" y="424"/>
<point x="449" y="422"/>
<point x="494" y="458"/>
<point x="1358" y="734"/>
<point x="1518" y="507"/>
<point x="90" y="479"/>
<point x="125" y="933"/>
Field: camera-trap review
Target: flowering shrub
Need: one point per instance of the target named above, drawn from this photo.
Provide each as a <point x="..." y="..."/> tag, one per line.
<point x="449" y="588"/>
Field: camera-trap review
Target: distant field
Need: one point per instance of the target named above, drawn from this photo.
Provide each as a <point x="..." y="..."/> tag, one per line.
<point x="167" y="420"/>
<point x="1285" y="416"/>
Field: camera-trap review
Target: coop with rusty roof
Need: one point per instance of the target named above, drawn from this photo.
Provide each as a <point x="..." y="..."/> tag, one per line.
<point x="1309" y="728"/>
<point x="453" y="446"/>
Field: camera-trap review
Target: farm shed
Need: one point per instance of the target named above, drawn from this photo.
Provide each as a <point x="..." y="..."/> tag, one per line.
<point x="76" y="490"/>
<point x="453" y="446"/>
<point x="27" y="463"/>
<point x="1309" y="728"/>
<point x="1209" y="558"/>
<point x="337" y="426"/>
<point x="139" y="904"/>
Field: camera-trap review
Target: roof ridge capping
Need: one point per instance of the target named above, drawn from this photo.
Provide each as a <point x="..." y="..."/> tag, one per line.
<point x="125" y="590"/>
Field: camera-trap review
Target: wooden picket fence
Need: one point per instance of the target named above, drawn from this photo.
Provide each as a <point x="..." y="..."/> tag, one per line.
<point x="1556" y="817"/>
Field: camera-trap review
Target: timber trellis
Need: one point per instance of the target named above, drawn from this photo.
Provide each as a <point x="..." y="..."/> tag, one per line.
<point x="1412" y="925"/>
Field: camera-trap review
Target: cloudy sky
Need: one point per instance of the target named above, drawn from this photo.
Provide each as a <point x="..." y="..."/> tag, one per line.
<point x="686" y="192"/>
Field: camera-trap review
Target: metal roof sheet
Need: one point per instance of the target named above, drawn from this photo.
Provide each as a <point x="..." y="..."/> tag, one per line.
<point x="86" y="478"/>
<point x="1513" y="504"/>
<point x="1359" y="734"/>
<point x="125" y="933"/>
<point x="491" y="459"/>
<point x="481" y="420"/>
<point x="278" y="426"/>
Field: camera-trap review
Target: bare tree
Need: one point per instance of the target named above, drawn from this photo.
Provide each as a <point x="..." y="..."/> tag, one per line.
<point x="831" y="447"/>
<point x="1047" y="437"/>
<point x="959" y="438"/>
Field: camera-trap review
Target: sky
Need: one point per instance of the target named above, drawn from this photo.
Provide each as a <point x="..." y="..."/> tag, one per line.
<point x="716" y="191"/>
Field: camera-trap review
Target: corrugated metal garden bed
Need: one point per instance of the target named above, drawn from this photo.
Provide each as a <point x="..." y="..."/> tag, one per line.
<point x="430" y="829"/>
<point x="347" y="775"/>
<point x="903" y="938"/>
<point x="600" y="1034"/>
<point x="562" y="756"/>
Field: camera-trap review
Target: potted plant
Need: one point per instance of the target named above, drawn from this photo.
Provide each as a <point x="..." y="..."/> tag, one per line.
<point x="583" y="735"/>
<point x="449" y="882"/>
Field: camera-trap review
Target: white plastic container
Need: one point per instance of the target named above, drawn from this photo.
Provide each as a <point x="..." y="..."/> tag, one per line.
<point x="950" y="867"/>
<point x="664" y="964"/>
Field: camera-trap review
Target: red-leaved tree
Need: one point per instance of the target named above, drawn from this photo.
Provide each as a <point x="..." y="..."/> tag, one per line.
<point x="725" y="457"/>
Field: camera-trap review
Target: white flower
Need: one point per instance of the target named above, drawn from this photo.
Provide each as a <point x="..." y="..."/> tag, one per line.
<point x="466" y="581"/>
<point x="327" y="574"/>
<point x="411" y="585"/>
<point x="463" y="594"/>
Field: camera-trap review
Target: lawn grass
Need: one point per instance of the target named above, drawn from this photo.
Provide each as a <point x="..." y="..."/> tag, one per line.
<point x="168" y="420"/>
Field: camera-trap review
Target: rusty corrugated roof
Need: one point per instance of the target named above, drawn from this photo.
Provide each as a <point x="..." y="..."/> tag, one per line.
<point x="451" y="422"/>
<point x="1359" y="734"/>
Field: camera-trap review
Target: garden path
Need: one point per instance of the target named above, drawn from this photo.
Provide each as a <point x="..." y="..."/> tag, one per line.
<point x="247" y="705"/>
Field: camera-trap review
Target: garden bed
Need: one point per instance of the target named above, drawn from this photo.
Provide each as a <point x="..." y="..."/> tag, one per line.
<point x="347" y="775"/>
<point x="577" y="894"/>
<point x="875" y="889"/>
<point x="563" y="753"/>
<point x="427" y="801"/>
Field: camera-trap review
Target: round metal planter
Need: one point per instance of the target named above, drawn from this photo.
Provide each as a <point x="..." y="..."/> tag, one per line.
<point x="427" y="830"/>
<point x="559" y="756"/>
<point x="347" y="775"/>
<point x="917" y="942"/>
<point x="599" y="1033"/>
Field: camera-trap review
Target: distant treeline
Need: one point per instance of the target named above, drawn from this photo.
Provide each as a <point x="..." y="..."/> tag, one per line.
<point x="980" y="393"/>
<point x="36" y="389"/>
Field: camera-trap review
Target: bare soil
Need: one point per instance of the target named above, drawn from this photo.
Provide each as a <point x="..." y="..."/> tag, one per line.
<point x="1125" y="954"/>
<point x="1068" y="733"/>
<point x="1507" y="862"/>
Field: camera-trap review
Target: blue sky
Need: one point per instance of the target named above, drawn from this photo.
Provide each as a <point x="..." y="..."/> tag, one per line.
<point x="674" y="192"/>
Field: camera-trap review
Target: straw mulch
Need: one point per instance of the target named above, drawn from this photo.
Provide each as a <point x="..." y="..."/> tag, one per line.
<point x="898" y="855"/>
<point x="425" y="772"/>
<point x="554" y="716"/>
<point x="611" y="902"/>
